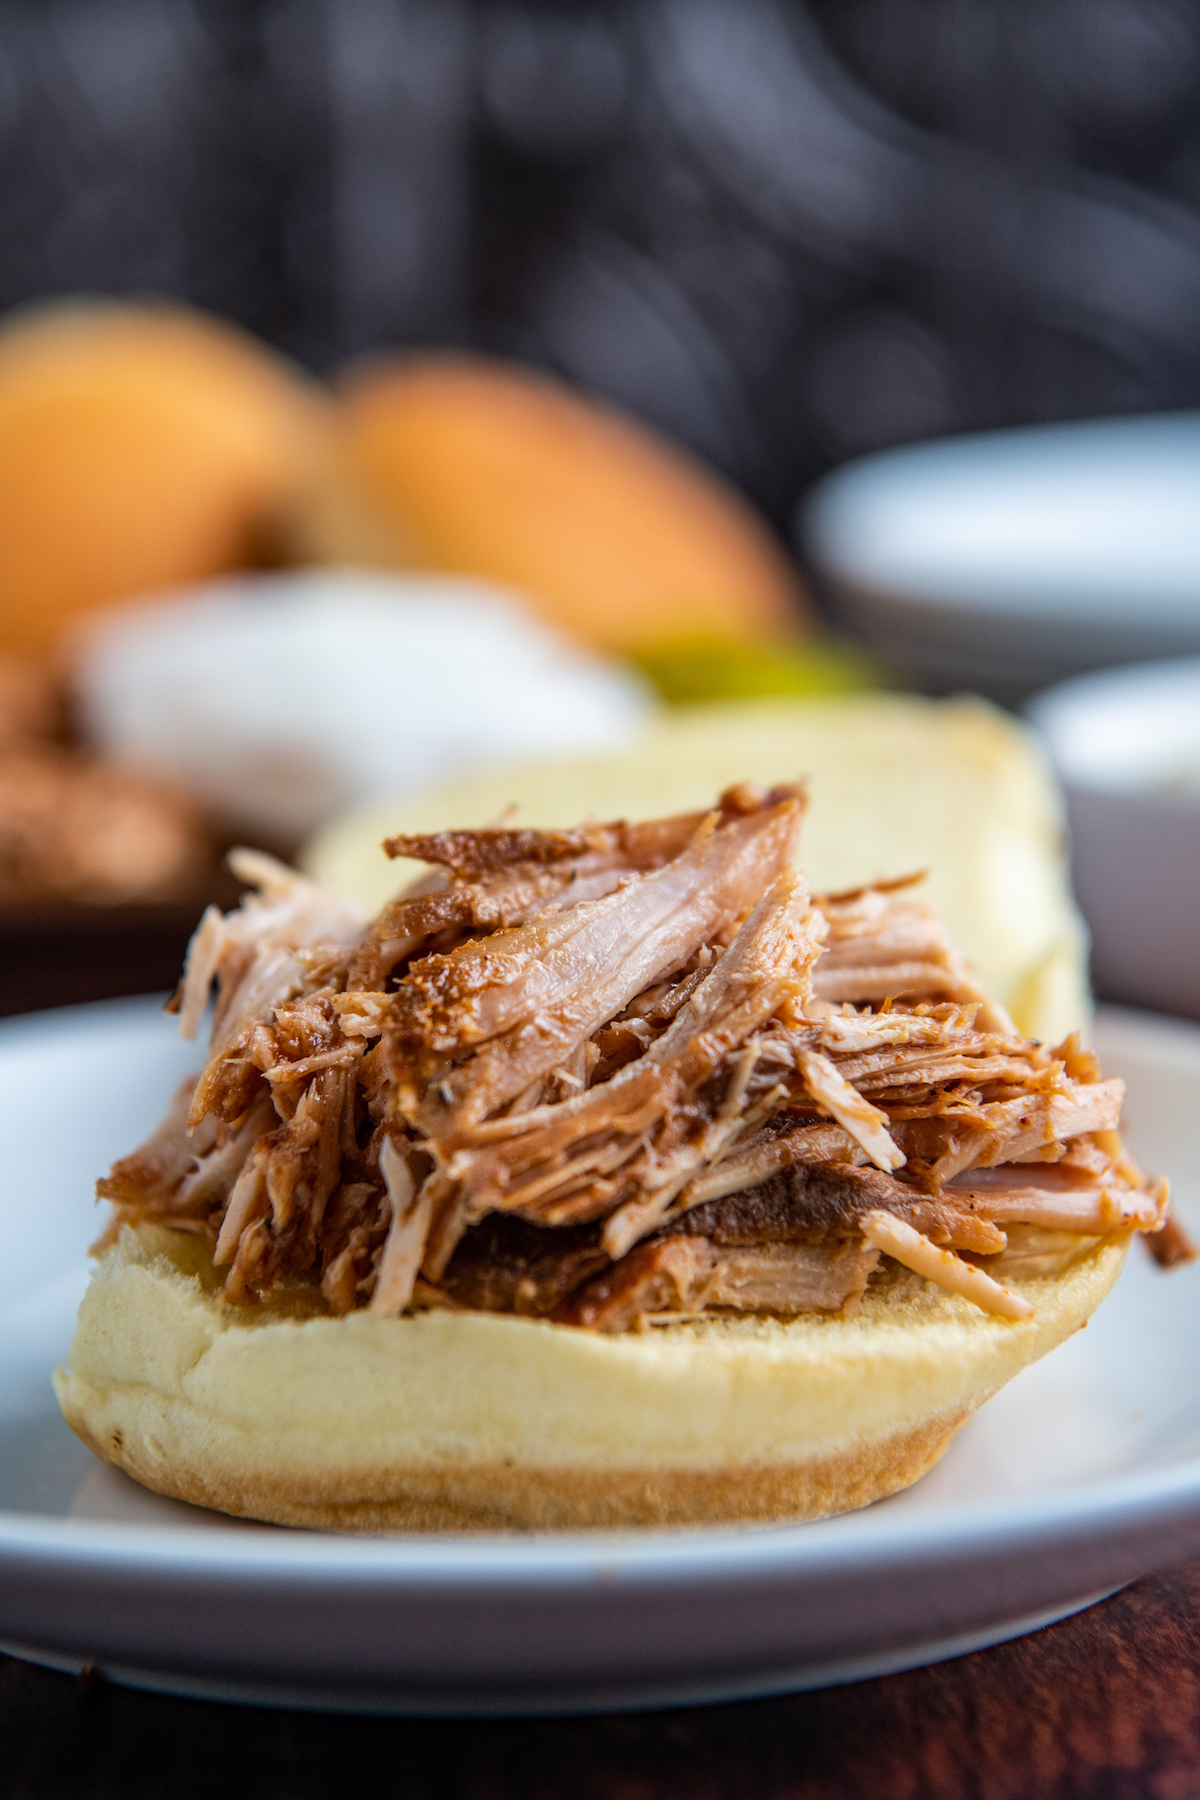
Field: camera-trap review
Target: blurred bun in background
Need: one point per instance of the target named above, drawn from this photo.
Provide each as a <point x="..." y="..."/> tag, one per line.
<point x="141" y="446"/>
<point x="30" y="701"/>
<point x="617" y="536"/>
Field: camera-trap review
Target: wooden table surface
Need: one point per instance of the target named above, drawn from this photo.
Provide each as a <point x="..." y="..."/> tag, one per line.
<point x="1105" y="1704"/>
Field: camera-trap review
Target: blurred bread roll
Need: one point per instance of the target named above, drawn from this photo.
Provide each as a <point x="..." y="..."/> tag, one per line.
<point x="31" y="705"/>
<point x="464" y="464"/>
<point x="141" y="446"/>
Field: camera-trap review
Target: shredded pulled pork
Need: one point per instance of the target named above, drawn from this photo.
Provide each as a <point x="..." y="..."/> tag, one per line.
<point x="623" y="1076"/>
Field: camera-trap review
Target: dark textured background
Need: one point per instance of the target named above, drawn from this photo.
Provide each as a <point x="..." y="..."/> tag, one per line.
<point x="788" y="233"/>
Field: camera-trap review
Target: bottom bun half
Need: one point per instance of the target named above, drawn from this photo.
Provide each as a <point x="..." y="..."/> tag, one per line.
<point x="453" y="1421"/>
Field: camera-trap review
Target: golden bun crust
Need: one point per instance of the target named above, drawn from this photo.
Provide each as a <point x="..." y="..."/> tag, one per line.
<point x="472" y="1421"/>
<point x="481" y="467"/>
<point x="141" y="447"/>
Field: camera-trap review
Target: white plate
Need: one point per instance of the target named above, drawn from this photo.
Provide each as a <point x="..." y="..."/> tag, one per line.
<point x="1081" y="1476"/>
<point x="1010" y="559"/>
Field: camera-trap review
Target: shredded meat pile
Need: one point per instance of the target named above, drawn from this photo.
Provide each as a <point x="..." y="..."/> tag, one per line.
<point x="621" y="1076"/>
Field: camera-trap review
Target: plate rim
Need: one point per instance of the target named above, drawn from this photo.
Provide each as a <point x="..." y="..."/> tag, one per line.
<point x="823" y="1547"/>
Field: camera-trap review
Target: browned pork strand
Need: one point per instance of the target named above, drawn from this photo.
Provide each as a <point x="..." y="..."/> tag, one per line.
<point x="633" y="1141"/>
<point x="493" y="880"/>
<point x="473" y="1029"/>
<point x="622" y="1074"/>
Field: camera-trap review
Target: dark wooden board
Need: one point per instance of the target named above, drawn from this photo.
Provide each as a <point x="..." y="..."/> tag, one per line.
<point x="60" y="956"/>
<point x="1105" y="1704"/>
<point x="56" y="954"/>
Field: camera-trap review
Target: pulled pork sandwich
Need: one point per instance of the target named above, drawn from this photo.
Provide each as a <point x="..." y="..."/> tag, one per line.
<point x="603" y="1178"/>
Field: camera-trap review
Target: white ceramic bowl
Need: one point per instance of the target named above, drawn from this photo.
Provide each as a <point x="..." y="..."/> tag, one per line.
<point x="1009" y="560"/>
<point x="1126" y="744"/>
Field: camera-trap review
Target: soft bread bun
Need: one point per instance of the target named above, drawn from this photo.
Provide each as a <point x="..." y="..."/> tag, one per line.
<point x="141" y="446"/>
<point x="898" y="784"/>
<point x="478" y="467"/>
<point x="474" y="1421"/>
